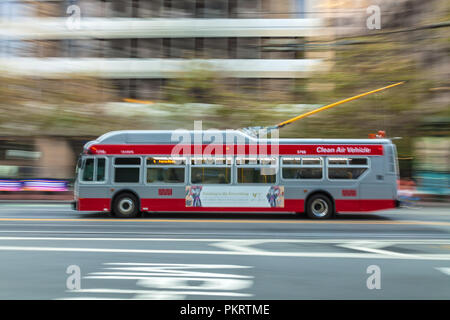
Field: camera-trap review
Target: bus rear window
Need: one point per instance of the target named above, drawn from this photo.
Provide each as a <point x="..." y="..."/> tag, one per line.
<point x="357" y="161"/>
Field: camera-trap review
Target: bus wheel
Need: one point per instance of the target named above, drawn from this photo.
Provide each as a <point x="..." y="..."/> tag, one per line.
<point x="125" y="206"/>
<point x="319" y="206"/>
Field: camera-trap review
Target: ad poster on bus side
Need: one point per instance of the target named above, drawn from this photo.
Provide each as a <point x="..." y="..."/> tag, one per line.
<point x="227" y="196"/>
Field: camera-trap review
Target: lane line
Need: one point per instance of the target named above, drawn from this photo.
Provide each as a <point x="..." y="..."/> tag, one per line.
<point x="237" y="243"/>
<point x="247" y="236"/>
<point x="404" y="222"/>
<point x="240" y="253"/>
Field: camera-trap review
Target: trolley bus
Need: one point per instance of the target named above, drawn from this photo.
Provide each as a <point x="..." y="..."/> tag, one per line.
<point x="128" y="172"/>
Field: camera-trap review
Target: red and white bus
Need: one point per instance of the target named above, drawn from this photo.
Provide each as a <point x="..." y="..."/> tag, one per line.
<point x="127" y="172"/>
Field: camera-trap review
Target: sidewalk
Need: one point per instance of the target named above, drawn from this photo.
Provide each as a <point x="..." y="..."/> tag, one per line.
<point x="30" y="196"/>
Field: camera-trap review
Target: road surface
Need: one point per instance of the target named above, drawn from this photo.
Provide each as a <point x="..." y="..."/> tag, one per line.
<point x="48" y="251"/>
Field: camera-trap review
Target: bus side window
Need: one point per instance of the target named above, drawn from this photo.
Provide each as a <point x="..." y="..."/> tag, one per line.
<point x="347" y="168"/>
<point x="211" y="170"/>
<point x="302" y="168"/>
<point x="127" y="170"/>
<point x="88" y="171"/>
<point x="210" y="175"/>
<point x="165" y="170"/>
<point x="256" y="170"/>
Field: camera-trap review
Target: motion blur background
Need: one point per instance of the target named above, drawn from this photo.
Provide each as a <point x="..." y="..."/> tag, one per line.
<point x="161" y="64"/>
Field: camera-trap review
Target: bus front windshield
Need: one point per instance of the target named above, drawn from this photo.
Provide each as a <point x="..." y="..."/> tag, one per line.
<point x="79" y="166"/>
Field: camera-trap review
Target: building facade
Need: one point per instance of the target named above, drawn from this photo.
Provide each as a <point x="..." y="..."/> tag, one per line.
<point x="139" y="44"/>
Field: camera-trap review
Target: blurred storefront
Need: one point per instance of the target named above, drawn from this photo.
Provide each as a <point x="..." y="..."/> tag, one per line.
<point x="432" y="162"/>
<point x="24" y="158"/>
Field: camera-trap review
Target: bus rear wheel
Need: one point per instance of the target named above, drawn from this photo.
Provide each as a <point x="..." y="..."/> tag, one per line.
<point x="125" y="206"/>
<point x="319" y="206"/>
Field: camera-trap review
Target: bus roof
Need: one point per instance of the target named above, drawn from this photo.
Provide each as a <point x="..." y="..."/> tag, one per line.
<point x="210" y="136"/>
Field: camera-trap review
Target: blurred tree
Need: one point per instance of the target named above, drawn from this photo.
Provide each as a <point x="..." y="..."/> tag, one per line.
<point x="366" y="62"/>
<point x="56" y="107"/>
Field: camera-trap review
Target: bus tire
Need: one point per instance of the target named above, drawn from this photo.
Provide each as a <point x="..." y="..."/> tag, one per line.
<point x="319" y="206"/>
<point x="125" y="205"/>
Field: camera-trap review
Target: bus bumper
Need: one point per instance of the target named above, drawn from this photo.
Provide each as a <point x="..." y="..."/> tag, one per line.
<point x="74" y="205"/>
<point x="397" y="203"/>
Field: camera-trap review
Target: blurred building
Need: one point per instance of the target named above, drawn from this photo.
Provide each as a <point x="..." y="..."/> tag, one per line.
<point x="139" y="45"/>
<point x="265" y="47"/>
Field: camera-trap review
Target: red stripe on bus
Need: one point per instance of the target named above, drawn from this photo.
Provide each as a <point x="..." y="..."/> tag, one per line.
<point x="363" y="205"/>
<point x="180" y="205"/>
<point x="283" y="149"/>
<point x="94" y="204"/>
<point x="290" y="205"/>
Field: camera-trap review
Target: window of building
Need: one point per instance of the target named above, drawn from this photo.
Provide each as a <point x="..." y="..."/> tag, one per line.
<point x="249" y="9"/>
<point x="347" y="168"/>
<point x="248" y="48"/>
<point x="302" y="168"/>
<point x="216" y="9"/>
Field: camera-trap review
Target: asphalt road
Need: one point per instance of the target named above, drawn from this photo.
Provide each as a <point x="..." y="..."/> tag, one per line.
<point x="48" y="251"/>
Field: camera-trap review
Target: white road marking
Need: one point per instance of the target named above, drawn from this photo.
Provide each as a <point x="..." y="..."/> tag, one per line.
<point x="242" y="242"/>
<point x="239" y="245"/>
<point x="179" y="270"/>
<point x="374" y="247"/>
<point x="173" y="281"/>
<point x="157" y="292"/>
<point x="133" y="275"/>
<point x="179" y="265"/>
<point x="96" y="298"/>
<point x="444" y="270"/>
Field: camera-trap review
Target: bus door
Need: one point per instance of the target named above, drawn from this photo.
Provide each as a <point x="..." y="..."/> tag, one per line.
<point x="165" y="179"/>
<point x="347" y="173"/>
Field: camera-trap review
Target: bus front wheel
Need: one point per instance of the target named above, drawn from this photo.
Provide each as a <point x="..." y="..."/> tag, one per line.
<point x="319" y="206"/>
<point x="125" y="206"/>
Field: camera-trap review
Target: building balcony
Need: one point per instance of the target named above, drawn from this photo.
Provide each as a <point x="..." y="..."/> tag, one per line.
<point x="124" y="28"/>
<point x="59" y="68"/>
